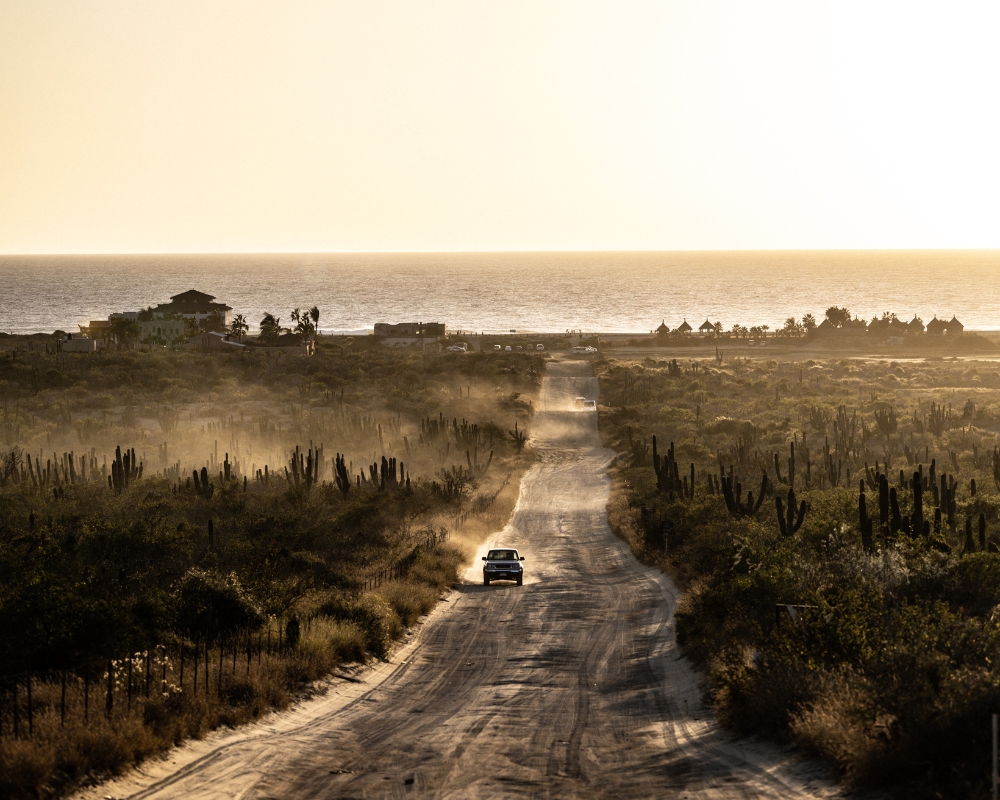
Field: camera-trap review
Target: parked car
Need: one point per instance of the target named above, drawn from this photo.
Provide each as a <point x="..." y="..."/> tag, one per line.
<point x="507" y="349"/>
<point x="539" y="346"/>
<point x="590" y="405"/>
<point x="578" y="402"/>
<point x="497" y="347"/>
<point x="457" y="348"/>
<point x="503" y="564"/>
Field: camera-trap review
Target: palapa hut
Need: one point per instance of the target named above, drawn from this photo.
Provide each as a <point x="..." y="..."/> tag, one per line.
<point x="684" y="327"/>
<point x="916" y="325"/>
<point x="936" y="327"/>
<point x="955" y="327"/>
<point x="706" y="328"/>
<point x="662" y="329"/>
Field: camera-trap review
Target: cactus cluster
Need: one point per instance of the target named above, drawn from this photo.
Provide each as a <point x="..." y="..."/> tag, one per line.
<point x="306" y="467"/>
<point x="202" y="485"/>
<point x="124" y="470"/>
<point x="790" y="519"/>
<point x="732" y="491"/>
<point x="668" y="478"/>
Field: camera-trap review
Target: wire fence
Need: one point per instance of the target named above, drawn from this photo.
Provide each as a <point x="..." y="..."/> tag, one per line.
<point x="124" y="685"/>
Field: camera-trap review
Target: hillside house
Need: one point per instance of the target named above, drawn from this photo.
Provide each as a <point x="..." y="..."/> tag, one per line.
<point x="194" y="305"/>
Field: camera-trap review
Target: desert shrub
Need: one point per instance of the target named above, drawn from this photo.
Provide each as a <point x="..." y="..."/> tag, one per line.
<point x="210" y="606"/>
<point x="888" y="668"/>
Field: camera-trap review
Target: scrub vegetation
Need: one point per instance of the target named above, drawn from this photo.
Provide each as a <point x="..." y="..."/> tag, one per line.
<point x="188" y="540"/>
<point x="836" y="527"/>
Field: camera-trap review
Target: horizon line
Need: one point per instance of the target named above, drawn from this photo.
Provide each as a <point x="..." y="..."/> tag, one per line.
<point x="506" y="252"/>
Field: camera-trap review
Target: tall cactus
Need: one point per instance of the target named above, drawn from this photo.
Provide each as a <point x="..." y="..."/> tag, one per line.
<point x="732" y="492"/>
<point x="342" y="476"/>
<point x="865" y="522"/>
<point x="788" y="521"/>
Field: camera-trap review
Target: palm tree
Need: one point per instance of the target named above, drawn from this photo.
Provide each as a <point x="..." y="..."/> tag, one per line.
<point x="303" y="325"/>
<point x="808" y="322"/>
<point x="270" y="328"/>
<point x="314" y="313"/>
<point x="238" y="327"/>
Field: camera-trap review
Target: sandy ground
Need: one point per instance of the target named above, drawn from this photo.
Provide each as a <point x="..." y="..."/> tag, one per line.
<point x="569" y="686"/>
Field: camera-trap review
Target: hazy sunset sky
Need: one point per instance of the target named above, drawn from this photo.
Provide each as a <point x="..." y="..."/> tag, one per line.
<point x="293" y="126"/>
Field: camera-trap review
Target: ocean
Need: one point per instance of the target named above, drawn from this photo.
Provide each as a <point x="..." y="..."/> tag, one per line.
<point x="498" y="292"/>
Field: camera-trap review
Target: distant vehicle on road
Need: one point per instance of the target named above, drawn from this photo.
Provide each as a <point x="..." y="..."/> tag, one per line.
<point x="503" y="564"/>
<point x="539" y="346"/>
<point x="457" y="348"/>
<point x="590" y="405"/>
<point x="582" y="349"/>
<point x="578" y="402"/>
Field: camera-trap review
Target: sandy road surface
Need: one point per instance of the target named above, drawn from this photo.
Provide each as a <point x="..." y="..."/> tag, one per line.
<point x="570" y="686"/>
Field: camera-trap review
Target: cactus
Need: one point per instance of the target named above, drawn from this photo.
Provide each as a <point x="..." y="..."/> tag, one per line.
<point x="982" y="531"/>
<point x="342" y="476"/>
<point x="895" y="520"/>
<point x="202" y="485"/>
<point x="732" y="492"/>
<point x="917" y="518"/>
<point x="970" y="543"/>
<point x="788" y="522"/>
<point x="519" y="438"/>
<point x="476" y="469"/>
<point x="668" y="477"/>
<point x="640" y="450"/>
<point x="885" y="420"/>
<point x="937" y="420"/>
<point x="865" y="523"/>
<point x="832" y="465"/>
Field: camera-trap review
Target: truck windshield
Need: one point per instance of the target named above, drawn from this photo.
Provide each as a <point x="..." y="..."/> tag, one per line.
<point x="502" y="555"/>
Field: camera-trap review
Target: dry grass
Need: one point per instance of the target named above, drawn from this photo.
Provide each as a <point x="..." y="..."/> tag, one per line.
<point x="59" y="756"/>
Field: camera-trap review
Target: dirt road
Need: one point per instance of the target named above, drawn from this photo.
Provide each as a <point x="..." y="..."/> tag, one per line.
<point x="570" y="686"/>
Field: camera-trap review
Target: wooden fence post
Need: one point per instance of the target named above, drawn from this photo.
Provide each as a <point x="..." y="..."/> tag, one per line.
<point x="129" y="679"/>
<point x="62" y="702"/>
<point x="86" y="695"/>
<point x="17" y="713"/>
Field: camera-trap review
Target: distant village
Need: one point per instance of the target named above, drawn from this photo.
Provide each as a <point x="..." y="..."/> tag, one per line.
<point x="837" y="323"/>
<point x="195" y="321"/>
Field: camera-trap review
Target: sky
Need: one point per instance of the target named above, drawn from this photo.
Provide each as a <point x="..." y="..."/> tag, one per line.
<point x="210" y="126"/>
